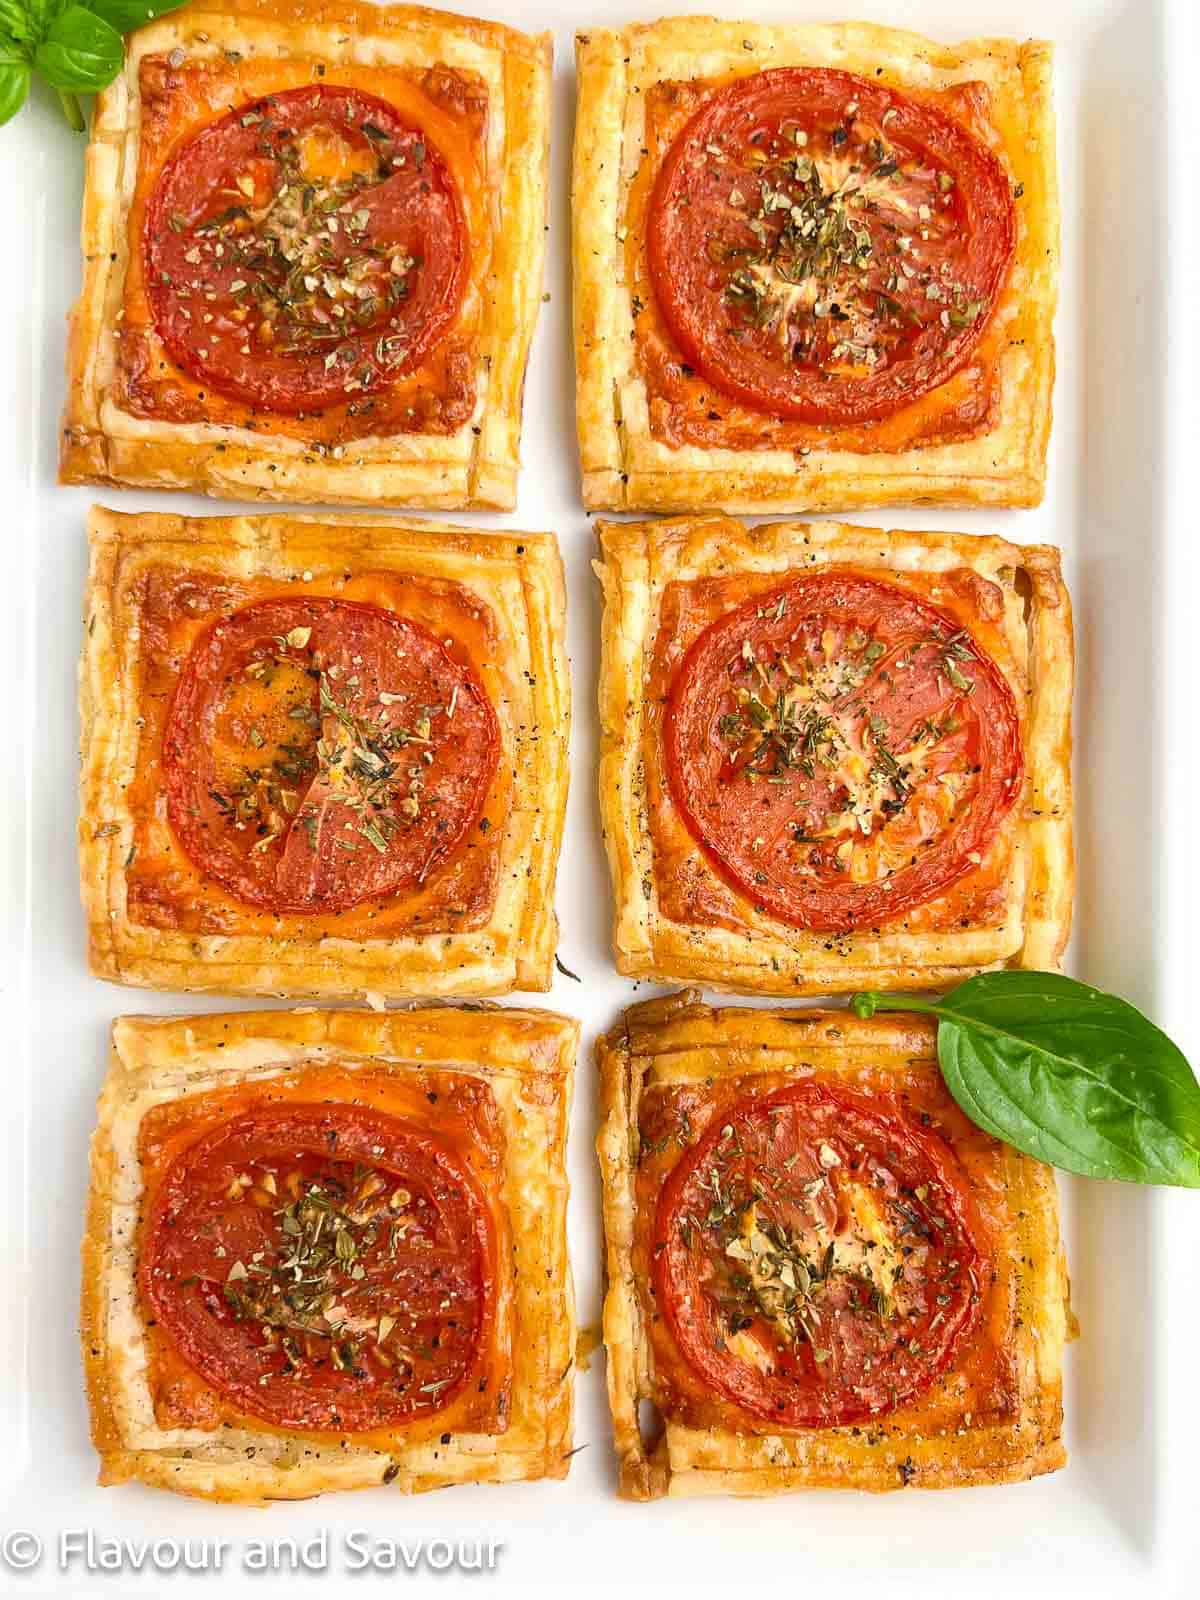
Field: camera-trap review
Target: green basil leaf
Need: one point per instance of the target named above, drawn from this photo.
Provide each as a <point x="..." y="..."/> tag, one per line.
<point x="26" y="21"/>
<point x="1066" y="1073"/>
<point x="126" y="15"/>
<point x="16" y="24"/>
<point x="14" y="83"/>
<point x="80" y="53"/>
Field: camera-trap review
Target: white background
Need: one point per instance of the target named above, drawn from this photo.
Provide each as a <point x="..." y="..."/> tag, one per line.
<point x="1122" y="1520"/>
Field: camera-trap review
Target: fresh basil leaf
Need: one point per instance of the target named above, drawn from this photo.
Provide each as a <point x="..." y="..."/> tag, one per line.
<point x="126" y="15"/>
<point x="14" y="82"/>
<point x="80" y="53"/>
<point x="1066" y="1073"/>
<point x="38" y="15"/>
<point x="15" y="23"/>
<point x="26" y="21"/>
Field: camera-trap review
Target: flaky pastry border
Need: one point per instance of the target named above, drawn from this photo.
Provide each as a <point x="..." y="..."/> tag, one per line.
<point x="638" y="561"/>
<point x="477" y="466"/>
<point x="526" y="1057"/>
<point x="624" y="467"/>
<point x="706" y="1044"/>
<point x="518" y="575"/>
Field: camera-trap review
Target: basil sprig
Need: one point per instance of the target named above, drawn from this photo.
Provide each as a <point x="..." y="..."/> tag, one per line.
<point x="1066" y="1073"/>
<point x="76" y="46"/>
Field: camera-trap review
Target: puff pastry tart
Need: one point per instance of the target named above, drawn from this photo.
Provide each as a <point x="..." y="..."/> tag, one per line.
<point x="313" y="235"/>
<point x="820" y="1274"/>
<point x="327" y="1250"/>
<point x="833" y="757"/>
<point x="815" y="267"/>
<point x="321" y="757"/>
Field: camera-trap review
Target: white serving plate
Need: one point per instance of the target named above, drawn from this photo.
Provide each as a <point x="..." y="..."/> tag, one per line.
<point x="1122" y="1519"/>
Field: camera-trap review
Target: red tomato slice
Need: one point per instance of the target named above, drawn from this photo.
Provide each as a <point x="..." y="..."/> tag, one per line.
<point x="305" y="250"/>
<point x="321" y="1267"/>
<point x="841" y="750"/>
<point x="824" y="248"/>
<point x="815" y="1257"/>
<point x="322" y="752"/>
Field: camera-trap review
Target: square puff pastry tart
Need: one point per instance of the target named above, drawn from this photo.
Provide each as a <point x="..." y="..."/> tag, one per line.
<point x="326" y="1110"/>
<point x="721" y="894"/>
<point x="783" y="1109"/>
<point x="321" y="756"/>
<point x="420" y="411"/>
<point x="654" y="434"/>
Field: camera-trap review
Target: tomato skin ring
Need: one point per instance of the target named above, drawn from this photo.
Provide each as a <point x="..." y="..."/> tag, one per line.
<point x="797" y="1393"/>
<point x="687" y="743"/>
<point x="680" y="274"/>
<point x="296" y="384"/>
<point x="187" y="766"/>
<point x="284" y="1134"/>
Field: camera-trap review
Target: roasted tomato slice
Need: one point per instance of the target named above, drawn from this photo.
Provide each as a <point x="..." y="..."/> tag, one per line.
<point x="321" y="752"/>
<point x="321" y="1267"/>
<point x="816" y="1257"/>
<point x="305" y="250"/>
<point x="841" y="750"/>
<point x="824" y="248"/>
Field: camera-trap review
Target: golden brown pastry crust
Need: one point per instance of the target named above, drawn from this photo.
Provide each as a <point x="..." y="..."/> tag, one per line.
<point x="639" y="561"/>
<point x="625" y="467"/>
<point x="527" y="1059"/>
<point x="477" y="465"/>
<point x="518" y="576"/>
<point x="678" y="1039"/>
